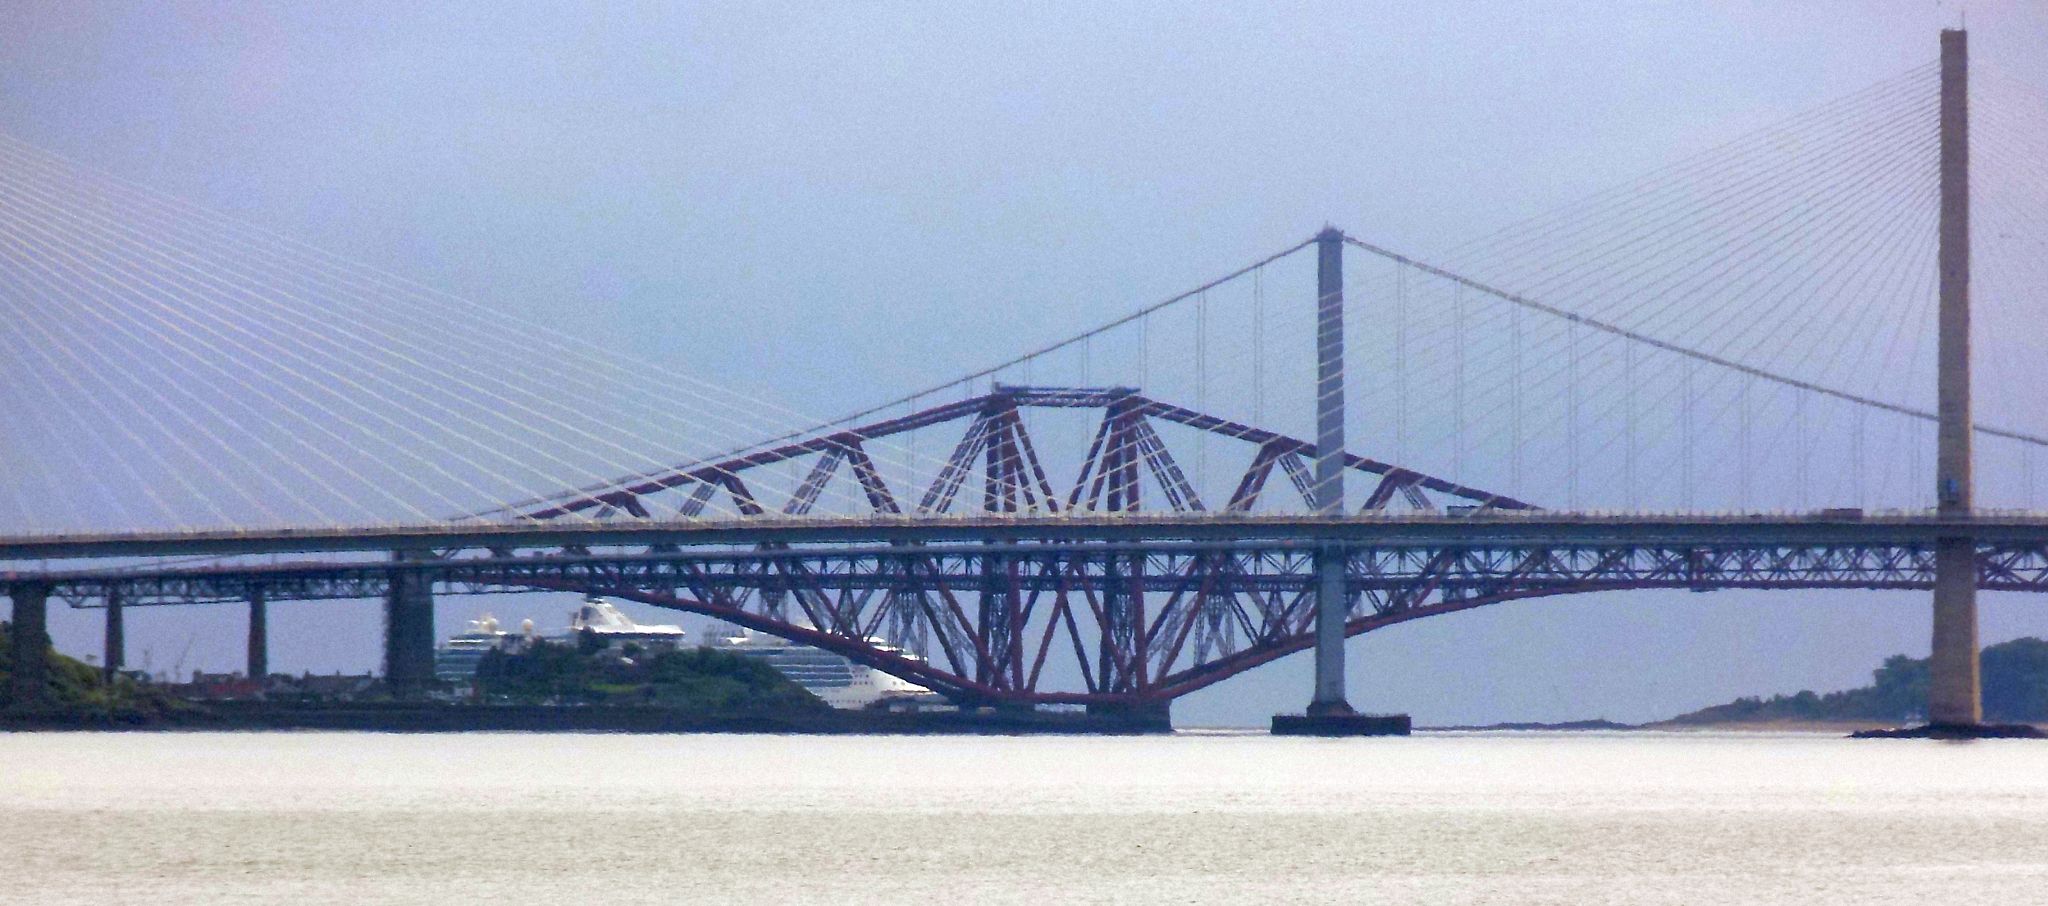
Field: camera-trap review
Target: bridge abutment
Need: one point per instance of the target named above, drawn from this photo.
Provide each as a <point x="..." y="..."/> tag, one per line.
<point x="409" y="629"/>
<point x="1145" y="716"/>
<point x="31" y="644"/>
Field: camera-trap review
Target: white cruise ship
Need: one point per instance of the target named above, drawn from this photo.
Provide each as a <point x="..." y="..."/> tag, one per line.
<point x="837" y="681"/>
<point x="614" y="629"/>
<point x="841" y="683"/>
<point x="456" y="659"/>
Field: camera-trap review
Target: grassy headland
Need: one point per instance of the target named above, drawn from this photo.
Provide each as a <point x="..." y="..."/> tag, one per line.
<point x="697" y="680"/>
<point x="81" y="694"/>
<point x="2015" y="692"/>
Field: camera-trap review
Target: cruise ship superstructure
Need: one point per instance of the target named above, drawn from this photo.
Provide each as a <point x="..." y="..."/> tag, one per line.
<point x="840" y="682"/>
<point x="456" y="659"/>
<point x="833" y="678"/>
<point x="613" y="629"/>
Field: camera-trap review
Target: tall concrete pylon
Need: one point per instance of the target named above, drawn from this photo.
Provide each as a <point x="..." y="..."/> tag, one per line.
<point x="1329" y="712"/>
<point x="1954" y="695"/>
<point x="1331" y="605"/>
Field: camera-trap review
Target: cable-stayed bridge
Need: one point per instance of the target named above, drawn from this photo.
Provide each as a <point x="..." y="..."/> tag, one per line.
<point x="1722" y="375"/>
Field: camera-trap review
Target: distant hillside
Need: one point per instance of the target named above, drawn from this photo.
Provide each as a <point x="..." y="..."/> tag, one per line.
<point x="2015" y="691"/>
<point x="79" y="692"/>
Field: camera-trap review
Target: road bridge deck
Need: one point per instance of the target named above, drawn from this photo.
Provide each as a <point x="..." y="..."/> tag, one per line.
<point x="1381" y="530"/>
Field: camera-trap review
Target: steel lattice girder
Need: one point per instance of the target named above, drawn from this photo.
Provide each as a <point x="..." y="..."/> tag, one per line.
<point x="1140" y="605"/>
<point x="1136" y="622"/>
<point x="1458" y="570"/>
<point x="1124" y="442"/>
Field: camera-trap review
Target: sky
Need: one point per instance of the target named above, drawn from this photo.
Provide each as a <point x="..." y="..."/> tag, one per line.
<point x="833" y="204"/>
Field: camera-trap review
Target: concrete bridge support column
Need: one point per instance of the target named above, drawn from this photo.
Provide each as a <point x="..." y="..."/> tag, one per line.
<point x="1954" y="687"/>
<point x="1329" y="563"/>
<point x="31" y="643"/>
<point x="1329" y="713"/>
<point x="1954" y="696"/>
<point x="1331" y="610"/>
<point x="115" y="654"/>
<point x="259" y="635"/>
<point x="409" y="630"/>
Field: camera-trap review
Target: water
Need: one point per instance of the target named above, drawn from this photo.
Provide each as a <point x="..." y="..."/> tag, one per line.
<point x="1508" y="818"/>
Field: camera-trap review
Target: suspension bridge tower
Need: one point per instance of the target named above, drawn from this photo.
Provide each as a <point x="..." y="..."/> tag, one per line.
<point x="1329" y="712"/>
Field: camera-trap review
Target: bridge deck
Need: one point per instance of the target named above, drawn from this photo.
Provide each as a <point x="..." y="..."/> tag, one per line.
<point x="1382" y="530"/>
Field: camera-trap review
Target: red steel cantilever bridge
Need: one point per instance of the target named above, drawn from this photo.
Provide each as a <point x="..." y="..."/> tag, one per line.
<point x="998" y="572"/>
<point x="1117" y="573"/>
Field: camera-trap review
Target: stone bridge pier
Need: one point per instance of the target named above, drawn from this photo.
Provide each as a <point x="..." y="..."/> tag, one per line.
<point x="409" y="628"/>
<point x="30" y="635"/>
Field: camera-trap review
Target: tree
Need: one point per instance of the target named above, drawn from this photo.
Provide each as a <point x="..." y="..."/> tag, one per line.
<point x="2016" y="681"/>
<point x="1900" y="688"/>
<point x="2015" y="677"/>
<point x="699" y="679"/>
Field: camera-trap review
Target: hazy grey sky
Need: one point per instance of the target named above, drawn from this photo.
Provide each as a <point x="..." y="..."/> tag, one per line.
<point x="875" y="197"/>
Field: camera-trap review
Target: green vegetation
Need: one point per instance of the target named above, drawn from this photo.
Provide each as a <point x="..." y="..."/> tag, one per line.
<point x="697" y="680"/>
<point x="2015" y="691"/>
<point x="78" y="691"/>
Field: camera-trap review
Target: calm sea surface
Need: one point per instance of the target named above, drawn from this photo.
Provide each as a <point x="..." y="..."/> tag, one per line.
<point x="1512" y="818"/>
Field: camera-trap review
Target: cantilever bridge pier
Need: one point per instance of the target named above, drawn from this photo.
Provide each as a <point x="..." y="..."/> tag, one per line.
<point x="1750" y="371"/>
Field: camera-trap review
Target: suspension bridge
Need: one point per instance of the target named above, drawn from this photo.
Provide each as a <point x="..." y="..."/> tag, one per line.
<point x="1710" y="378"/>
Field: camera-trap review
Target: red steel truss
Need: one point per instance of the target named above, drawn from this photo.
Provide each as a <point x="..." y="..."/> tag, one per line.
<point x="1036" y="617"/>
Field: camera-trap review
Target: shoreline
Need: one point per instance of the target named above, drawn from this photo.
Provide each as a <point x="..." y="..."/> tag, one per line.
<point x="1844" y="727"/>
<point x="440" y="717"/>
<point x="389" y="717"/>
